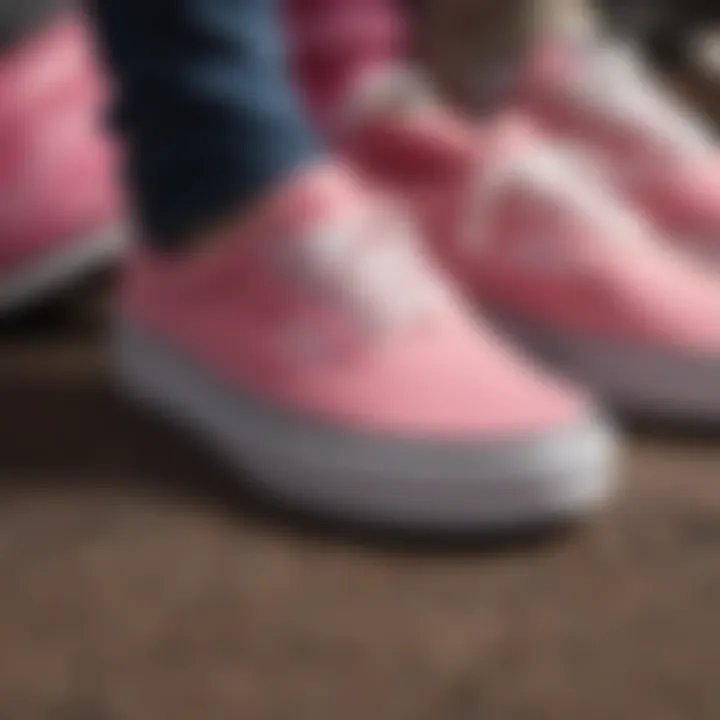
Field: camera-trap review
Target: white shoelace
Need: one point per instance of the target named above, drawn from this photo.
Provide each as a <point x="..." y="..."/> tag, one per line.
<point x="559" y="175"/>
<point x="618" y="83"/>
<point x="374" y="266"/>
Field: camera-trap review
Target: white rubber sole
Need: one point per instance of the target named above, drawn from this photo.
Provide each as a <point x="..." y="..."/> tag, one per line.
<point x="465" y="485"/>
<point x="640" y="381"/>
<point x="53" y="272"/>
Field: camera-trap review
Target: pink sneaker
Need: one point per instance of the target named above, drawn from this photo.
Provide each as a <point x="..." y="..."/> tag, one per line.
<point x="58" y="202"/>
<point x="313" y="344"/>
<point x="550" y="250"/>
<point x="654" y="149"/>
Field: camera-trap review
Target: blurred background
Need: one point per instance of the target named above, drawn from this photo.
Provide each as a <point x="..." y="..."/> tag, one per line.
<point x="136" y="584"/>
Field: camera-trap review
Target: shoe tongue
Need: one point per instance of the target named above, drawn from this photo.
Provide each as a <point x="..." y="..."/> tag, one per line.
<point x="361" y="251"/>
<point x="318" y="195"/>
<point x="387" y="91"/>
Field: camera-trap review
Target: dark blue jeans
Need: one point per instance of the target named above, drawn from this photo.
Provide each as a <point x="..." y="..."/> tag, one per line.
<point x="208" y="115"/>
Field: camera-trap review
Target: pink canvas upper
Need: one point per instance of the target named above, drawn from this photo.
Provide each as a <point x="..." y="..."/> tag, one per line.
<point x="534" y="230"/>
<point x="651" y="147"/>
<point x="56" y="168"/>
<point x="321" y="301"/>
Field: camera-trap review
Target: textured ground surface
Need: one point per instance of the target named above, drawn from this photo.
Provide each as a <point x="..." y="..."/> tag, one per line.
<point x="136" y="586"/>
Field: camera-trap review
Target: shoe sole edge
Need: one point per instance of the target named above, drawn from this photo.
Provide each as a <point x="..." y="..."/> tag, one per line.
<point x="464" y="485"/>
<point x="36" y="281"/>
<point x="639" y="382"/>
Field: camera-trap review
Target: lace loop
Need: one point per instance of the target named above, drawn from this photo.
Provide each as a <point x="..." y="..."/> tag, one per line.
<point x="372" y="263"/>
<point x="560" y="175"/>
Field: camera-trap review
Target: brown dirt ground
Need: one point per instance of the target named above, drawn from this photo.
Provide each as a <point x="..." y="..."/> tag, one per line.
<point x="137" y="583"/>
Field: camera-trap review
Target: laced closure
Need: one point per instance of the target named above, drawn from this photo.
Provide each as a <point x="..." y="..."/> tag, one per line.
<point x="546" y="173"/>
<point x="373" y="265"/>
